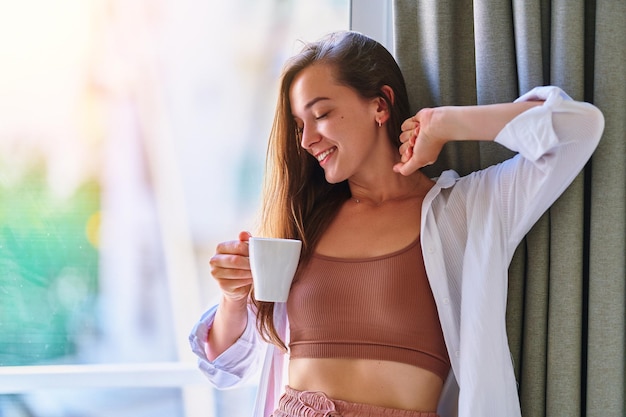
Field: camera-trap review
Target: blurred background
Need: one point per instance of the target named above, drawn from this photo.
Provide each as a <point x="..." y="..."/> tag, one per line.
<point x="132" y="140"/>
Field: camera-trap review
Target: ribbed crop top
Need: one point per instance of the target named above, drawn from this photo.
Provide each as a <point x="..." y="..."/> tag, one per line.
<point x="377" y="308"/>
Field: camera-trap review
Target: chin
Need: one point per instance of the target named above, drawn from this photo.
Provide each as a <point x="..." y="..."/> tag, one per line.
<point x="332" y="179"/>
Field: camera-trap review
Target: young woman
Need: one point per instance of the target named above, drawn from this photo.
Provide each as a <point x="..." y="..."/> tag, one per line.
<point x="398" y="305"/>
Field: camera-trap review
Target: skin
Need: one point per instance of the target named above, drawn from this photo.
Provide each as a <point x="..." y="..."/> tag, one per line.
<point x="391" y="188"/>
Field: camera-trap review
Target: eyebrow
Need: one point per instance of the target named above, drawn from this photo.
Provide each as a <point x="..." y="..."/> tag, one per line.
<point x="315" y="100"/>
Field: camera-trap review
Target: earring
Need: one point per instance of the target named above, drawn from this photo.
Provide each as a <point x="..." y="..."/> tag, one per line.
<point x="379" y="123"/>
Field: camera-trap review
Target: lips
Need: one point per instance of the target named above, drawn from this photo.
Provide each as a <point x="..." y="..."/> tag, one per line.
<point x="323" y="155"/>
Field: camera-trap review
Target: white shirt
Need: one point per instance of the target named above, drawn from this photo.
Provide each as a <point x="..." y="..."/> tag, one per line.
<point x="470" y="229"/>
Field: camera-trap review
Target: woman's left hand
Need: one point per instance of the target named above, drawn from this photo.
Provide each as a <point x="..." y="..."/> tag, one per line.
<point x="420" y="146"/>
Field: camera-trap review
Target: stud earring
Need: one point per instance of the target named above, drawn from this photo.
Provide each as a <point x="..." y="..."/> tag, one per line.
<point x="379" y="123"/>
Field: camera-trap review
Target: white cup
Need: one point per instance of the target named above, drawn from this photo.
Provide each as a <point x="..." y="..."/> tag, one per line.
<point x="273" y="263"/>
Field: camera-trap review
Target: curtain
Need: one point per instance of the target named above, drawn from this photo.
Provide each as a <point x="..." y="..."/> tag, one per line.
<point x="567" y="297"/>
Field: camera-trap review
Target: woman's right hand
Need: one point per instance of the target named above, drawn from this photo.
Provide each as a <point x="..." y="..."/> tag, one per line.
<point x="230" y="267"/>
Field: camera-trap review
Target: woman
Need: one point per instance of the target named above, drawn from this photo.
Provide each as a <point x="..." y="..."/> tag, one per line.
<point x="398" y="305"/>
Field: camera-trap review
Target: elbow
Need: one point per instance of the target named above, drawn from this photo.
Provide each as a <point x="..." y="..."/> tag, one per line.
<point x="596" y="124"/>
<point x="591" y="129"/>
<point x="579" y="124"/>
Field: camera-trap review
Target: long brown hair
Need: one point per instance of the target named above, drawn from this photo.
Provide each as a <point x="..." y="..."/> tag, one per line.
<point x="298" y="203"/>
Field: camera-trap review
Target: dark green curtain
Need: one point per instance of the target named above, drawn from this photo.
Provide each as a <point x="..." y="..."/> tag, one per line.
<point x="567" y="295"/>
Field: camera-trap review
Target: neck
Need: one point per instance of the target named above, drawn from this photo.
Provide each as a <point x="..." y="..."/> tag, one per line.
<point x="399" y="188"/>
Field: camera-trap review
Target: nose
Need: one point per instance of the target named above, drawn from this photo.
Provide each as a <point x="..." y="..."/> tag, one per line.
<point x="309" y="136"/>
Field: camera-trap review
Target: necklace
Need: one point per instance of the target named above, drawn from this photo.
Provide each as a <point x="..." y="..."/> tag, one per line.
<point x="400" y="198"/>
<point x="417" y="191"/>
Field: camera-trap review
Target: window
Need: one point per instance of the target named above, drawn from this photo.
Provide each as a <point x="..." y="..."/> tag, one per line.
<point x="124" y="123"/>
<point x="132" y="140"/>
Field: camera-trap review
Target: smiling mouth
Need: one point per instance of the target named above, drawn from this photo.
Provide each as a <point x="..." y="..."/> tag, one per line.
<point x="320" y="157"/>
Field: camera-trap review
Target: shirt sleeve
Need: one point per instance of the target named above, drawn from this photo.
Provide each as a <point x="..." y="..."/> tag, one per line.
<point x="235" y="365"/>
<point x="554" y="142"/>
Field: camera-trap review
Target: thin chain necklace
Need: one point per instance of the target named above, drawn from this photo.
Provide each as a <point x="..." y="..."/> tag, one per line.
<point x="399" y="198"/>
<point x="404" y="197"/>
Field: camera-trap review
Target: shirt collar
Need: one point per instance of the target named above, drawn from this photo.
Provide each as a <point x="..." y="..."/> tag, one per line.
<point x="447" y="179"/>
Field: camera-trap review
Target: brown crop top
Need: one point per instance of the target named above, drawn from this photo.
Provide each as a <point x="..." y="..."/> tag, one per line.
<point x="377" y="308"/>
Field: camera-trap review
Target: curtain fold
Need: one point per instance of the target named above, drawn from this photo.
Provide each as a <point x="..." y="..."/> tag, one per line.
<point x="607" y="266"/>
<point x="567" y="295"/>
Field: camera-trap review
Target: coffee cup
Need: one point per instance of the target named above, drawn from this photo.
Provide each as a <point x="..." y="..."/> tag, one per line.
<point x="273" y="262"/>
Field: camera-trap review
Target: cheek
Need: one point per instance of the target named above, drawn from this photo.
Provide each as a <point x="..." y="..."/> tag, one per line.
<point x="344" y="127"/>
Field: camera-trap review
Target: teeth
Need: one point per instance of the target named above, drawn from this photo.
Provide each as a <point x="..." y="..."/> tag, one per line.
<point x="324" y="154"/>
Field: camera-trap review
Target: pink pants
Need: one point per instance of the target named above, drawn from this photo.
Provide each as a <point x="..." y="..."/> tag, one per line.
<point x="316" y="404"/>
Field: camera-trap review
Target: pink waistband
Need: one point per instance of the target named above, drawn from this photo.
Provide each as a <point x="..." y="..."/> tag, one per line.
<point x="296" y="403"/>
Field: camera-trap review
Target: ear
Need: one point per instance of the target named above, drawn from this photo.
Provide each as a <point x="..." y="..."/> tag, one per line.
<point x="388" y="91"/>
<point x="382" y="109"/>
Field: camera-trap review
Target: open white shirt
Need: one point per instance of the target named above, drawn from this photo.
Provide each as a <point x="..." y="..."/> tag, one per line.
<point x="470" y="229"/>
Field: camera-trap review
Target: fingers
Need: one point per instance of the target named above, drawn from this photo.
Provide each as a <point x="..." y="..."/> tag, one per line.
<point x="406" y="149"/>
<point x="415" y="150"/>
<point x="234" y="247"/>
<point x="230" y="266"/>
<point x="410" y="161"/>
<point x="410" y="123"/>
<point x="411" y="131"/>
<point x="408" y="167"/>
<point x="244" y="236"/>
<point x="231" y="258"/>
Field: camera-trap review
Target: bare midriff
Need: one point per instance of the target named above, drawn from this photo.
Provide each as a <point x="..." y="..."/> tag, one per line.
<point x="382" y="383"/>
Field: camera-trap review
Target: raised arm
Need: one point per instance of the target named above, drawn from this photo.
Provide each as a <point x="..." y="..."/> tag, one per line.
<point x="554" y="142"/>
<point x="553" y="135"/>
<point x="424" y="135"/>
